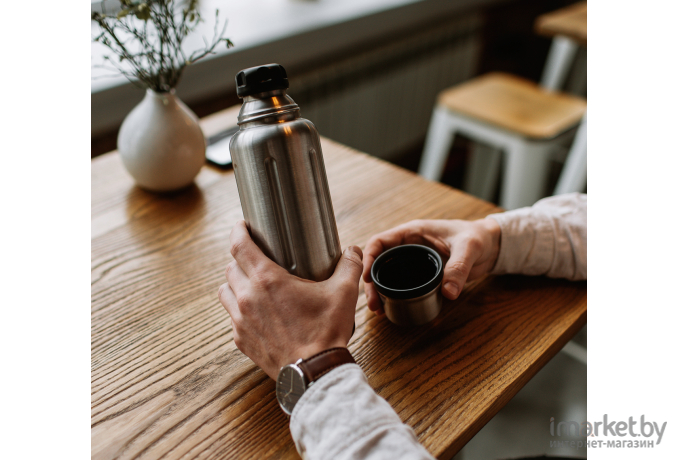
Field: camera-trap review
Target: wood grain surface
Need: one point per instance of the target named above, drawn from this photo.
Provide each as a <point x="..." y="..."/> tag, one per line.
<point x="515" y="104"/>
<point x="167" y="380"/>
<point x="570" y="21"/>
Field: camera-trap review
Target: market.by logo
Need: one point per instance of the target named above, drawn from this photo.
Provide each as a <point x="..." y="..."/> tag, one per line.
<point x="630" y="428"/>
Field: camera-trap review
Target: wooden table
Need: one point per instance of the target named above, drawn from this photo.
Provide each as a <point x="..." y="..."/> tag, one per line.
<point x="167" y="380"/>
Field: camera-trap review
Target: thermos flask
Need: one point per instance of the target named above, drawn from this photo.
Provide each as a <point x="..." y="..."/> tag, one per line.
<point x="281" y="177"/>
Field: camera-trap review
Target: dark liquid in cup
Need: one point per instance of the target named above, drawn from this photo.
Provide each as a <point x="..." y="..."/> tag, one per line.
<point x="408" y="270"/>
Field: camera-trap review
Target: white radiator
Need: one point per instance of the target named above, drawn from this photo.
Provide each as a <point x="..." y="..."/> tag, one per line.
<point x="380" y="101"/>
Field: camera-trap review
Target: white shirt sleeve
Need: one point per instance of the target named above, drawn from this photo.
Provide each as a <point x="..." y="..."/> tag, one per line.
<point x="549" y="238"/>
<point x="340" y="417"/>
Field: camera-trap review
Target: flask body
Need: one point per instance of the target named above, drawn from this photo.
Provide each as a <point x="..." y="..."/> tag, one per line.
<point x="283" y="187"/>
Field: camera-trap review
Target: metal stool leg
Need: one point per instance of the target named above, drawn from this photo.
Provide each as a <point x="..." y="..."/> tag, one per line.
<point x="439" y="139"/>
<point x="560" y="57"/>
<point x="574" y="173"/>
<point x="481" y="176"/>
<point x="525" y="174"/>
<point x="576" y="351"/>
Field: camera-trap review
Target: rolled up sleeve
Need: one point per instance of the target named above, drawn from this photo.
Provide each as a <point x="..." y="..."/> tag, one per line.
<point x="341" y="417"/>
<point x="549" y="238"/>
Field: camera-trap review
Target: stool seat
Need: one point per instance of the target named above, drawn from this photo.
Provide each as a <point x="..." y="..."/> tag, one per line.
<point x="515" y="104"/>
<point x="571" y="22"/>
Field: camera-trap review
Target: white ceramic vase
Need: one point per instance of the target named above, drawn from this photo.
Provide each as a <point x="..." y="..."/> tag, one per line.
<point x="161" y="143"/>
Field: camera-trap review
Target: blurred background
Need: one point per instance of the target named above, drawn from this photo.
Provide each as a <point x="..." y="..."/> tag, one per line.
<point x="365" y="72"/>
<point x="368" y="74"/>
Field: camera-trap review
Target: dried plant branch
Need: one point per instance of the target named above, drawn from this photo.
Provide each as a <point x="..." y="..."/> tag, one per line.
<point x="146" y="38"/>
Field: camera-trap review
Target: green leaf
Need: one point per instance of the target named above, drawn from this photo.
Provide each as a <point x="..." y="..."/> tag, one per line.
<point x="122" y="14"/>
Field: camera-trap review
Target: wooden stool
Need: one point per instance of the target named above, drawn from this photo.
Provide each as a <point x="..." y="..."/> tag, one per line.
<point x="511" y="114"/>
<point x="515" y="115"/>
<point x="568" y="27"/>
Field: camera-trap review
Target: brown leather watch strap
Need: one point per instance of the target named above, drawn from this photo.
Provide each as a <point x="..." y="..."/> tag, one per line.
<point x="322" y="363"/>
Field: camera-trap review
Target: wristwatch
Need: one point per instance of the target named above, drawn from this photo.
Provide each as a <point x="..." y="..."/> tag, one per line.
<point x="295" y="379"/>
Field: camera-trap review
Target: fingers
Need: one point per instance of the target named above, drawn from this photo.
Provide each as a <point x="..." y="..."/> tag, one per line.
<point x="249" y="257"/>
<point x="228" y="301"/>
<point x="348" y="270"/>
<point x="373" y="299"/>
<point x="463" y="257"/>
<point x="237" y="279"/>
<point x="403" y="234"/>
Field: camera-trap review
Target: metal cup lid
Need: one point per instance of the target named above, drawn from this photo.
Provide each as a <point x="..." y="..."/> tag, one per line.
<point x="407" y="272"/>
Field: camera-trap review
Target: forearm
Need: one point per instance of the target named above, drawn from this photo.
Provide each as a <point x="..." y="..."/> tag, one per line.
<point x="341" y="417"/>
<point x="548" y="238"/>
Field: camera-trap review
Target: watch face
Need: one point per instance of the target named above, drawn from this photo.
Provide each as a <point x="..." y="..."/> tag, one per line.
<point x="290" y="386"/>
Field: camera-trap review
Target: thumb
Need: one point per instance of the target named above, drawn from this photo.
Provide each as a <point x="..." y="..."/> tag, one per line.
<point x="349" y="268"/>
<point x="457" y="269"/>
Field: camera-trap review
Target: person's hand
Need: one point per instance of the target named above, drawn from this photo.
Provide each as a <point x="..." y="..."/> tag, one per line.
<point x="278" y="318"/>
<point x="471" y="248"/>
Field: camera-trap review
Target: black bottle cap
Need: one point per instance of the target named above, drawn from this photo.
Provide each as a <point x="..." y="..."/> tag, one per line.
<point x="259" y="79"/>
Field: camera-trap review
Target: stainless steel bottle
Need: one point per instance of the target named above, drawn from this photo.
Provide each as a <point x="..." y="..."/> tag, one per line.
<point x="281" y="177"/>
